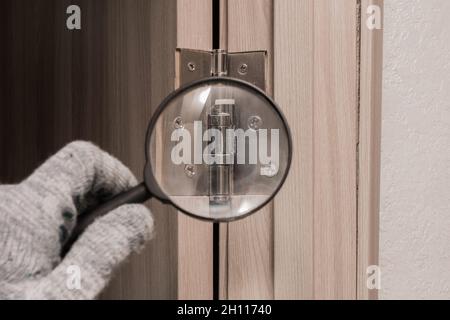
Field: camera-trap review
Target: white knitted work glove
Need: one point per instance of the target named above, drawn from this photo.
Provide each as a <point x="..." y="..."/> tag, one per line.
<point x="37" y="216"/>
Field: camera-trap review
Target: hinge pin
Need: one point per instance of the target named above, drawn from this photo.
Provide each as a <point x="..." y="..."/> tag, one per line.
<point x="219" y="65"/>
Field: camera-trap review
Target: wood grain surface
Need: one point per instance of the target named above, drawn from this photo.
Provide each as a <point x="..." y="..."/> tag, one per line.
<point x="195" y="240"/>
<point x="103" y="83"/>
<point x="250" y="241"/>
<point x="99" y="84"/>
<point x="369" y="149"/>
<point x="294" y="91"/>
<point x="327" y="80"/>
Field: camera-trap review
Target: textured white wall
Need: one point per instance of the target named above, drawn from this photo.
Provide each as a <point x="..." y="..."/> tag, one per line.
<point x="415" y="182"/>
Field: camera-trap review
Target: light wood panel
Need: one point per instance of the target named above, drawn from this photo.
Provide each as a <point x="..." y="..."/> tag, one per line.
<point x="250" y="241"/>
<point x="326" y="217"/>
<point x="369" y="149"/>
<point x="195" y="250"/>
<point x="293" y="208"/>
<point x="335" y="141"/>
<point x="325" y="267"/>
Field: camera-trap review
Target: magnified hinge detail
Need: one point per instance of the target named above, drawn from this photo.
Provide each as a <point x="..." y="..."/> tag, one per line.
<point x="219" y="63"/>
<point x="220" y="121"/>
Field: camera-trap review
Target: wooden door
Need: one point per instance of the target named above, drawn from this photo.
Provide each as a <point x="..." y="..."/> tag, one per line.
<point x="317" y="238"/>
<point x="103" y="82"/>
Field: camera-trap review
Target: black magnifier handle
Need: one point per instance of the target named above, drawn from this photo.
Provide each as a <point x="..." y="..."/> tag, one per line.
<point x="138" y="194"/>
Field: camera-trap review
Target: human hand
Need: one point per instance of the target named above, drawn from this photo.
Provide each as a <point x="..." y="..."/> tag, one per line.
<point x="38" y="215"/>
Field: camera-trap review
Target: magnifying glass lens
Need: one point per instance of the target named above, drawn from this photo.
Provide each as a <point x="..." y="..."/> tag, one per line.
<point x="219" y="150"/>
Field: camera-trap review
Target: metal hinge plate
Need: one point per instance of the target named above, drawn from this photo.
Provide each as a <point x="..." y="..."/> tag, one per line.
<point x="248" y="66"/>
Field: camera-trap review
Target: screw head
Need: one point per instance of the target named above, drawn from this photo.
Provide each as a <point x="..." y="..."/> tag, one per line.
<point x="178" y="123"/>
<point x="191" y="66"/>
<point x="190" y="170"/>
<point x="254" y="122"/>
<point x="243" y="69"/>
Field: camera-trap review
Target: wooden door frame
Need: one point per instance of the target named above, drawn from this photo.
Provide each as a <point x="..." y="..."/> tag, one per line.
<point x="370" y="99"/>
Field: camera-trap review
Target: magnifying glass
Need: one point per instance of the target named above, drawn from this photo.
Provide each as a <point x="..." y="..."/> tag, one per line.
<point x="218" y="149"/>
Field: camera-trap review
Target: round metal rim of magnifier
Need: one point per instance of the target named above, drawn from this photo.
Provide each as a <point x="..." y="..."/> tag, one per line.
<point x="150" y="179"/>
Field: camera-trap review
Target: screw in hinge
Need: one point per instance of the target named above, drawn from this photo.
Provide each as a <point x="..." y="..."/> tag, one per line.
<point x="178" y="123"/>
<point x="191" y="66"/>
<point x="190" y="170"/>
<point x="254" y="122"/>
<point x="243" y="69"/>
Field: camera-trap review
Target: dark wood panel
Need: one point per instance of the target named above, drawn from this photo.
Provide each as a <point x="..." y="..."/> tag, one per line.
<point x="95" y="84"/>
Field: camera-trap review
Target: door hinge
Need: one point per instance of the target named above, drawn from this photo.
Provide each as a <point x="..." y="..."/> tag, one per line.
<point x="196" y="64"/>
